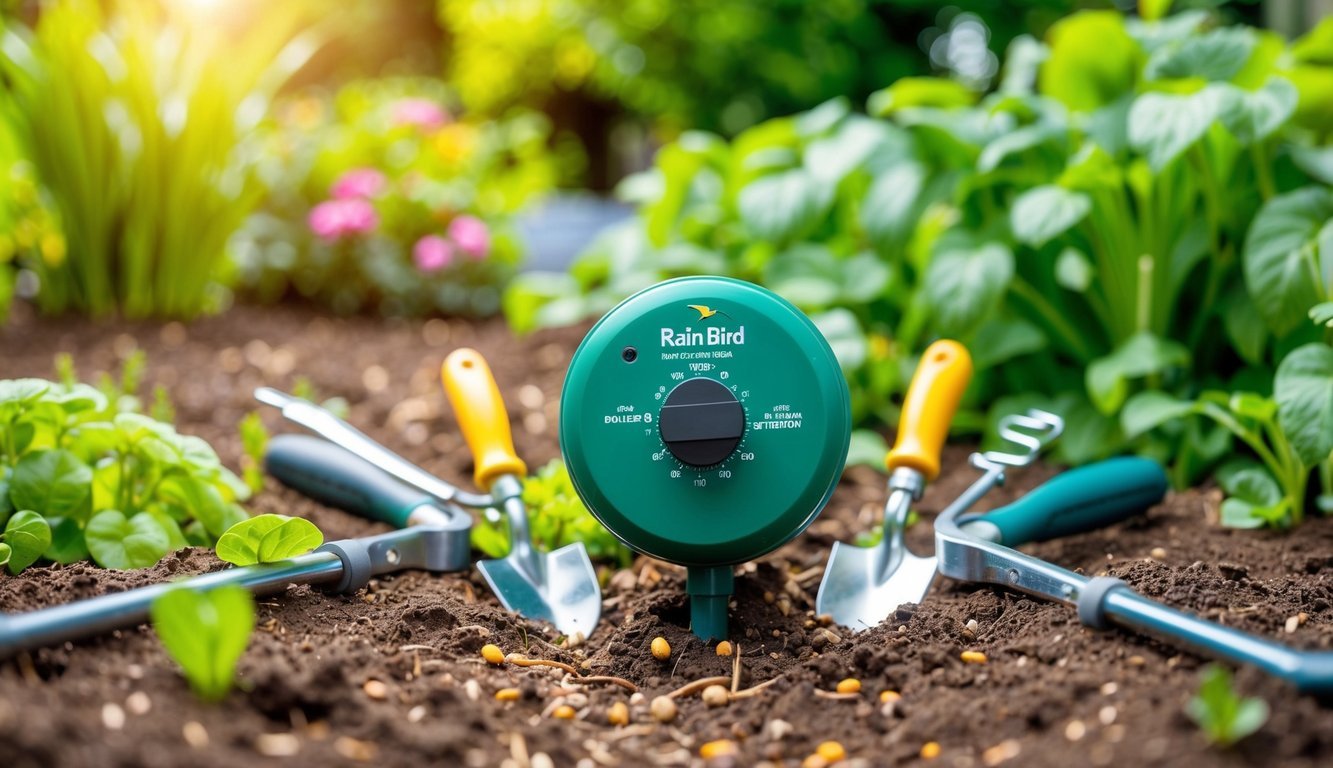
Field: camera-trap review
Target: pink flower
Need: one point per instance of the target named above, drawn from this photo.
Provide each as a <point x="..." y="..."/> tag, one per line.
<point x="359" y="182"/>
<point x="471" y="235"/>
<point x="423" y="113"/>
<point x="432" y="253"/>
<point x="333" y="219"/>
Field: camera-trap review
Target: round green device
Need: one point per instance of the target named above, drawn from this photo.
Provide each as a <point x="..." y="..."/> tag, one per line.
<point x="705" y="421"/>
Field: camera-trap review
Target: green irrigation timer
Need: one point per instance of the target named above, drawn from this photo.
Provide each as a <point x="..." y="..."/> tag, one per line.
<point x="705" y="421"/>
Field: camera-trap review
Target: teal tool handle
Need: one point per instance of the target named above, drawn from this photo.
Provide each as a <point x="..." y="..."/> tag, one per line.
<point x="1080" y="500"/>
<point x="339" y="478"/>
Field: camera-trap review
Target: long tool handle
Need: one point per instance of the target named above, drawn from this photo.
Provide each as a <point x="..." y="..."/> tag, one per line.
<point x="1080" y="500"/>
<point x="334" y="476"/>
<point x="932" y="397"/>
<point x="481" y="416"/>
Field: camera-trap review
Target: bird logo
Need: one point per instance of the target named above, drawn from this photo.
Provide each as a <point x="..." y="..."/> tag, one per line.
<point x="706" y="312"/>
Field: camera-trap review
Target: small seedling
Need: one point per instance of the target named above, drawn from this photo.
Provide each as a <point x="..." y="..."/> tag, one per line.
<point x="1224" y="715"/>
<point x="254" y="443"/>
<point x="26" y="536"/>
<point x="206" y="633"/>
<point x="268" y="539"/>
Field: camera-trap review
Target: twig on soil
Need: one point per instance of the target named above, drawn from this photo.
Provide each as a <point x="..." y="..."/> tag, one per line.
<point x="406" y="648"/>
<point x="748" y="692"/>
<point x="836" y="696"/>
<point x="736" y="670"/>
<point x="809" y="574"/>
<point x="620" y="681"/>
<point x="520" y="660"/>
<point x="697" y="685"/>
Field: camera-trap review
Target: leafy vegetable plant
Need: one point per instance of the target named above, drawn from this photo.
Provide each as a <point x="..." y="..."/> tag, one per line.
<point x="557" y="517"/>
<point x="267" y="539"/>
<point x="83" y="474"/>
<point x="1224" y="715"/>
<point x="254" y="443"/>
<point x="206" y="633"/>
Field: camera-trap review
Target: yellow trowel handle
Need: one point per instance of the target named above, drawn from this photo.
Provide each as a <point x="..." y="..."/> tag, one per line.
<point x="932" y="398"/>
<point x="481" y="415"/>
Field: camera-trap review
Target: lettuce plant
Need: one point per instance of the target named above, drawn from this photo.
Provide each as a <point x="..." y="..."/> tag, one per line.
<point x="83" y="474"/>
<point x="206" y="633"/>
<point x="268" y="539"/>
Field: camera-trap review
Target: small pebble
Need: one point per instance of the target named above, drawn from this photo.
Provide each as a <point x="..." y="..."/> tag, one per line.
<point x="1005" y="750"/>
<point x="715" y="696"/>
<point x="1158" y="553"/>
<point x="138" y="703"/>
<point x="507" y="694"/>
<point x="724" y="648"/>
<point x="1136" y="661"/>
<point x="930" y="750"/>
<point x="541" y="760"/>
<point x="416" y="714"/>
<point x="277" y="744"/>
<point x="195" y="734"/>
<point x="831" y="751"/>
<point x="492" y="654"/>
<point x="663" y="709"/>
<point x="1293" y="623"/>
<point x="1075" y="730"/>
<point x="564" y="712"/>
<point x="973" y="657"/>
<point x="113" y="717"/>
<point x="355" y="749"/>
<point x="660" y="648"/>
<point x="849" y="685"/>
<point x="472" y="689"/>
<point x="1106" y="715"/>
<point x="618" y="714"/>
<point x="719" y="748"/>
<point x="971" y="625"/>
<point x="1109" y="689"/>
<point x="376" y="690"/>
<point x="777" y="730"/>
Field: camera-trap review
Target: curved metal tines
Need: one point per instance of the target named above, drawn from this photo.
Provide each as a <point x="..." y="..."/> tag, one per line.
<point x="1031" y="431"/>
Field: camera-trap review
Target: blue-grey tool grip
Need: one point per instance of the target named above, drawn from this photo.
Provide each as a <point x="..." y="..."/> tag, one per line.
<point x="337" y="477"/>
<point x="1079" y="500"/>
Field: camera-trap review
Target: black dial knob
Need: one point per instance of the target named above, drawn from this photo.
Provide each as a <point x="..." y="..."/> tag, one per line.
<point x="701" y="422"/>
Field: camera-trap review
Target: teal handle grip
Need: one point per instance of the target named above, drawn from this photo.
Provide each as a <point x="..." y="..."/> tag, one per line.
<point x="339" y="478"/>
<point x="1080" y="500"/>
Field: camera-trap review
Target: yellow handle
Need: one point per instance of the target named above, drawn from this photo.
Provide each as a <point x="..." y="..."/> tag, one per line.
<point x="481" y="415"/>
<point x="932" y="398"/>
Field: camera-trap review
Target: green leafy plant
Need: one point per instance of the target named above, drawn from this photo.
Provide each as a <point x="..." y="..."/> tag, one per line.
<point x="1224" y="716"/>
<point x="105" y="481"/>
<point x="149" y="190"/>
<point x="29" y="229"/>
<point x="206" y="633"/>
<point x="557" y="517"/>
<point x="383" y="199"/>
<point x="268" y="539"/>
<point x="26" y="536"/>
<point x="254" y="444"/>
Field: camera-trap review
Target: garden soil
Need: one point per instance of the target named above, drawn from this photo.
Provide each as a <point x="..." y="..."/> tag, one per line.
<point x="392" y="676"/>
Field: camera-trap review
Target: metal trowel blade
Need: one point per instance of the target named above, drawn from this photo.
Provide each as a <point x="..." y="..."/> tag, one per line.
<point x="564" y="592"/>
<point x="857" y="595"/>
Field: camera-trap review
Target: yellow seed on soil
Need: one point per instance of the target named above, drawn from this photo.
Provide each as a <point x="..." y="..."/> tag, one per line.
<point x="930" y="750"/>
<point x="618" y="714"/>
<point x="661" y="648"/>
<point x="663" y="709"/>
<point x="715" y="696"/>
<point x="719" y="748"/>
<point x="564" y="712"/>
<point x="886" y="696"/>
<point x="492" y="654"/>
<point x="507" y="694"/>
<point x="850" y="685"/>
<point x="376" y="690"/>
<point x="724" y="648"/>
<point x="831" y="751"/>
<point x="973" y="657"/>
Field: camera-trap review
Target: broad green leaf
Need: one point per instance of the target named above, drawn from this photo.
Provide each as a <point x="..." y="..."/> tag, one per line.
<point x="889" y="210"/>
<point x="1315" y="86"/>
<point x="115" y="542"/>
<point x="1249" y="405"/>
<point x="240" y="544"/>
<point x="1303" y="389"/>
<point x="53" y="482"/>
<point x="6" y="553"/>
<point x="867" y="448"/>
<point x="67" y="543"/>
<point x="1215" y="55"/>
<point x="1002" y="340"/>
<point x="832" y="158"/>
<point x="1316" y="46"/>
<point x="1093" y="60"/>
<point x="1153" y="35"/>
<point x="1153" y="10"/>
<point x="965" y="282"/>
<point x="28" y="535"/>
<point x="824" y="117"/>
<point x="1144" y="354"/>
<point x="6" y="507"/>
<point x="1317" y="162"/>
<point x="1253" y="498"/>
<point x="206" y="633"/>
<point x="781" y="206"/>
<point x="1255" y="115"/>
<point x="1320" y="314"/>
<point x="1073" y="271"/>
<point x="23" y="392"/>
<point x="293" y="537"/>
<point x="1281" y="256"/>
<point x="1244" y="325"/>
<point x="1163" y="125"/>
<point x="864" y="278"/>
<point x="844" y="334"/>
<point x="1014" y="143"/>
<point x="909" y="92"/>
<point x="807" y="275"/>
<point x="1046" y="212"/>
<point x="1148" y="410"/>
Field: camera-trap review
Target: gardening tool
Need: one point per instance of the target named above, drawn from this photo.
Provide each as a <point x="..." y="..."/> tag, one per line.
<point x="561" y="586"/>
<point x="864" y="585"/>
<point x="966" y="553"/>
<point x="705" y="421"/>
<point x="435" y="538"/>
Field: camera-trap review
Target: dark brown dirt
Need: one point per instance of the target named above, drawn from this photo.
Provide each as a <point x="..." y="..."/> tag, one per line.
<point x="1052" y="692"/>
